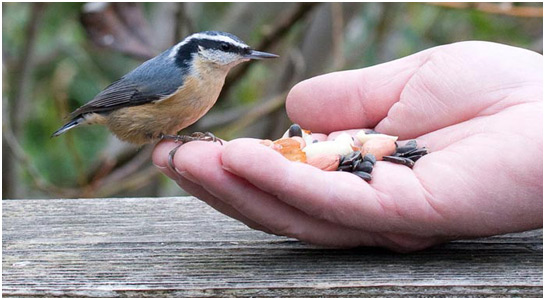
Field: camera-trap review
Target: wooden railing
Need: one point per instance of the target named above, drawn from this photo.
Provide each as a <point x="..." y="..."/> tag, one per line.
<point x="158" y="247"/>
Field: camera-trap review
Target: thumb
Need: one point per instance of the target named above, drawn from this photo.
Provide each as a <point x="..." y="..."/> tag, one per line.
<point x="351" y="99"/>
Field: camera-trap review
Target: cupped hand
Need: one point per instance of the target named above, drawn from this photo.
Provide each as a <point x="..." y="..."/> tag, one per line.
<point x="477" y="106"/>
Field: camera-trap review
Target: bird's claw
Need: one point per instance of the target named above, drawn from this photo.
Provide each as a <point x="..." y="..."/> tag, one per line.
<point x="206" y="136"/>
<point x="182" y="139"/>
<point x="171" y="158"/>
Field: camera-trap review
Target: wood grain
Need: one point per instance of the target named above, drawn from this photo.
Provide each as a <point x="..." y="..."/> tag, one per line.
<point x="179" y="247"/>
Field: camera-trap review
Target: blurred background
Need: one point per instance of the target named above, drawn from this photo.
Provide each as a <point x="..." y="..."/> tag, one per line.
<point x="57" y="56"/>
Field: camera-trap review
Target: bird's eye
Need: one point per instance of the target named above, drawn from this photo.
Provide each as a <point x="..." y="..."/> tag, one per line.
<point x="225" y="47"/>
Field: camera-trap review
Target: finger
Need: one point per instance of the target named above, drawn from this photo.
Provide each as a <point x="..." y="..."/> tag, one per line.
<point x="160" y="155"/>
<point x="205" y="166"/>
<point x="160" y="159"/>
<point x="350" y="99"/>
<point x="462" y="81"/>
<point x="420" y="93"/>
<point x="337" y="236"/>
<point x="387" y="204"/>
<point x="162" y="150"/>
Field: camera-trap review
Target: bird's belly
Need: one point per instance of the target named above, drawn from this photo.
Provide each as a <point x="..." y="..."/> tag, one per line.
<point x="145" y="123"/>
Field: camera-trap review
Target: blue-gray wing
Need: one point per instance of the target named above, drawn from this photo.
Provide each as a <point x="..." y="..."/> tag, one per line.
<point x="153" y="80"/>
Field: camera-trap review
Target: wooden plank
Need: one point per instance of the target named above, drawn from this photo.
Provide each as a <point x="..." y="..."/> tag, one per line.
<point x="180" y="247"/>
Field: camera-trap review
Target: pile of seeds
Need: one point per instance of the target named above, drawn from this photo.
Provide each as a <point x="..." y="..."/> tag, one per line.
<point x="359" y="165"/>
<point x="407" y="154"/>
<point x="342" y="154"/>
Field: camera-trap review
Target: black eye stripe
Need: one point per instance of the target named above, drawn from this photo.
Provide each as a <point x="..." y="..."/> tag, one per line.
<point x="223" y="46"/>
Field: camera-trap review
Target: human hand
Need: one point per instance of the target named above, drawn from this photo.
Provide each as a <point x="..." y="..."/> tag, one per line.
<point x="477" y="106"/>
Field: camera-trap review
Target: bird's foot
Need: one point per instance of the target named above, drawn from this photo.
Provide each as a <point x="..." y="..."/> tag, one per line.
<point x="196" y="136"/>
<point x="182" y="139"/>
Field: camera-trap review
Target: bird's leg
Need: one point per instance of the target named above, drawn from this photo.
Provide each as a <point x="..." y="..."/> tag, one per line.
<point x="182" y="139"/>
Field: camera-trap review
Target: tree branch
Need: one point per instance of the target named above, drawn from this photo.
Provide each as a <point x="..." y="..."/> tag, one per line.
<point x="269" y="40"/>
<point x="183" y="26"/>
<point x="18" y="100"/>
<point x="337" y="21"/>
<point x="505" y="8"/>
<point x="22" y="79"/>
<point x="21" y="156"/>
<point x="132" y="182"/>
<point x="111" y="176"/>
<point x="256" y="113"/>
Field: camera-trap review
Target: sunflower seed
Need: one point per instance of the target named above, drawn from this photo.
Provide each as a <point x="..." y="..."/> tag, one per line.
<point x="370" y="158"/>
<point x="406" y="148"/>
<point x="350" y="158"/>
<point x="418" y="151"/>
<point x="347" y="168"/>
<point x="415" y="157"/>
<point x="399" y="160"/>
<point x="411" y="143"/>
<point x="295" y="130"/>
<point x="364" y="166"/>
<point x="363" y="175"/>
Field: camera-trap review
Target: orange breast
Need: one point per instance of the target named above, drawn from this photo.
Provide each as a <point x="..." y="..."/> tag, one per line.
<point x="145" y="123"/>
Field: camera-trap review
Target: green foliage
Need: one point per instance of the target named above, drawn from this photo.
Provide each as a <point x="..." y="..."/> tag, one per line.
<point x="68" y="69"/>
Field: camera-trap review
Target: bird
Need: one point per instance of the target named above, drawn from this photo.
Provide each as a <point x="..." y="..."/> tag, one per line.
<point x="167" y="93"/>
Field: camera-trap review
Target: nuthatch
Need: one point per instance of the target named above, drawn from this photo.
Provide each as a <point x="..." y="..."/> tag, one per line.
<point x="168" y="92"/>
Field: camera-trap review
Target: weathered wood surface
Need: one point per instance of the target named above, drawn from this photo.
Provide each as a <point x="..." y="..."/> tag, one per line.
<point x="180" y="247"/>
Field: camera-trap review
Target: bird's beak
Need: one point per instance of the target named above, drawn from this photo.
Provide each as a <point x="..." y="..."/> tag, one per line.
<point x="260" y="55"/>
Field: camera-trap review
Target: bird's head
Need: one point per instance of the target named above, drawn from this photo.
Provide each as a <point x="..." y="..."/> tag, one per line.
<point x="214" y="47"/>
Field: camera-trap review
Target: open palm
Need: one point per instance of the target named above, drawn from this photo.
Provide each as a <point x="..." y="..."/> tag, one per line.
<point x="477" y="106"/>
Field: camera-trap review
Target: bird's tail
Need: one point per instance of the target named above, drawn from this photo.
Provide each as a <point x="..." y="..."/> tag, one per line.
<point x="73" y="123"/>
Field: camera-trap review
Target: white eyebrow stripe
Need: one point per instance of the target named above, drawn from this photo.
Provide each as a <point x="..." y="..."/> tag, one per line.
<point x="221" y="38"/>
<point x="174" y="50"/>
